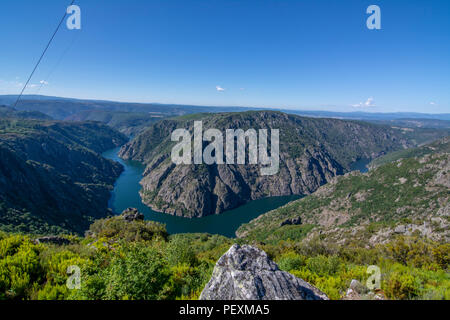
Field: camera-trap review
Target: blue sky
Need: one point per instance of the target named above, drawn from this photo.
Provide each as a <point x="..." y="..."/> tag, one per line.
<point x="315" y="55"/>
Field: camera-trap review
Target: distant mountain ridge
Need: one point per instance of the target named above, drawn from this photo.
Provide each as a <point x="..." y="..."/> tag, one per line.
<point x="73" y="106"/>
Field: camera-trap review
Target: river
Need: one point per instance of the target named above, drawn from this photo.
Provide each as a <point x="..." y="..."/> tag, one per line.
<point x="126" y="194"/>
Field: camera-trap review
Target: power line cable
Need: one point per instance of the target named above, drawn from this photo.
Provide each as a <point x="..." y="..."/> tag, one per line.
<point x="63" y="54"/>
<point x="42" y="55"/>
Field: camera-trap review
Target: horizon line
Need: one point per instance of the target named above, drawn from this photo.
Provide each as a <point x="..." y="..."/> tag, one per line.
<point x="225" y="106"/>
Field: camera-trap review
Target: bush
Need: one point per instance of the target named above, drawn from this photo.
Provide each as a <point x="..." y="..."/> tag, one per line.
<point x="291" y="261"/>
<point x="323" y="266"/>
<point x="185" y="282"/>
<point x="117" y="228"/>
<point x="179" y="251"/>
<point x="136" y="272"/>
<point x="401" y="285"/>
<point x="441" y="255"/>
<point x="20" y="267"/>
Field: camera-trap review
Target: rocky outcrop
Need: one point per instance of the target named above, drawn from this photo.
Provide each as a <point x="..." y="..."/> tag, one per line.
<point x="132" y="214"/>
<point x="312" y="152"/>
<point x="53" y="240"/>
<point x="247" y="273"/>
<point x="291" y="222"/>
<point x="357" y="291"/>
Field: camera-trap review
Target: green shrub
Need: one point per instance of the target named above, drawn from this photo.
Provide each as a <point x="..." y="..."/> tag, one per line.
<point x="117" y="228"/>
<point x="179" y="251"/>
<point x="20" y="268"/>
<point x="401" y="286"/>
<point x="133" y="272"/>
<point x="291" y="261"/>
<point x="322" y="265"/>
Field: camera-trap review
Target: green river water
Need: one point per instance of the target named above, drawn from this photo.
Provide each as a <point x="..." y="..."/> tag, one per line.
<point x="126" y="194"/>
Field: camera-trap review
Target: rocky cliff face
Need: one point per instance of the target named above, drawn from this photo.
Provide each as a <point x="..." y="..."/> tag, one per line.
<point x="246" y="273"/>
<point x="312" y="151"/>
<point x="52" y="178"/>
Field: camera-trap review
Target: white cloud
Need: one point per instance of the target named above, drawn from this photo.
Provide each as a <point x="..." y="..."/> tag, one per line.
<point x="220" y="89"/>
<point x="433" y="103"/>
<point x="14" y="86"/>
<point x="369" y="103"/>
<point x="9" y="87"/>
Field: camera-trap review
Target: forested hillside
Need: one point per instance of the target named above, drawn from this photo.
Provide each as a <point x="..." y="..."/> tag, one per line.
<point x="408" y="195"/>
<point x="52" y="177"/>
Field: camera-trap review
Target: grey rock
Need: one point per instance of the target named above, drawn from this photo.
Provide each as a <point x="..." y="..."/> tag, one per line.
<point x="294" y="222"/>
<point x="400" y="229"/>
<point x="247" y="273"/>
<point x="53" y="240"/>
<point x="132" y="214"/>
<point x="358" y="287"/>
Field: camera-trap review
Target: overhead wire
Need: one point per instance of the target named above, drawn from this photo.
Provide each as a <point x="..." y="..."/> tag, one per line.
<point x="42" y="55"/>
<point x="46" y="79"/>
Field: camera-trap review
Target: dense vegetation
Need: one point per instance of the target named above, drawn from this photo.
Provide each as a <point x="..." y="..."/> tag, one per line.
<point x="52" y="177"/>
<point x="137" y="260"/>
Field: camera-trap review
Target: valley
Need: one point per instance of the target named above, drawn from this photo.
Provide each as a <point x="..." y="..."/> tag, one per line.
<point x="224" y="159"/>
<point x="312" y="152"/>
<point x="349" y="194"/>
<point x="126" y="194"/>
<point x="334" y="238"/>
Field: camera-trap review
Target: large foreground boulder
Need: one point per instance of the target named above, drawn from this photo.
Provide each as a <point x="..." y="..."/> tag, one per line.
<point x="247" y="273"/>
